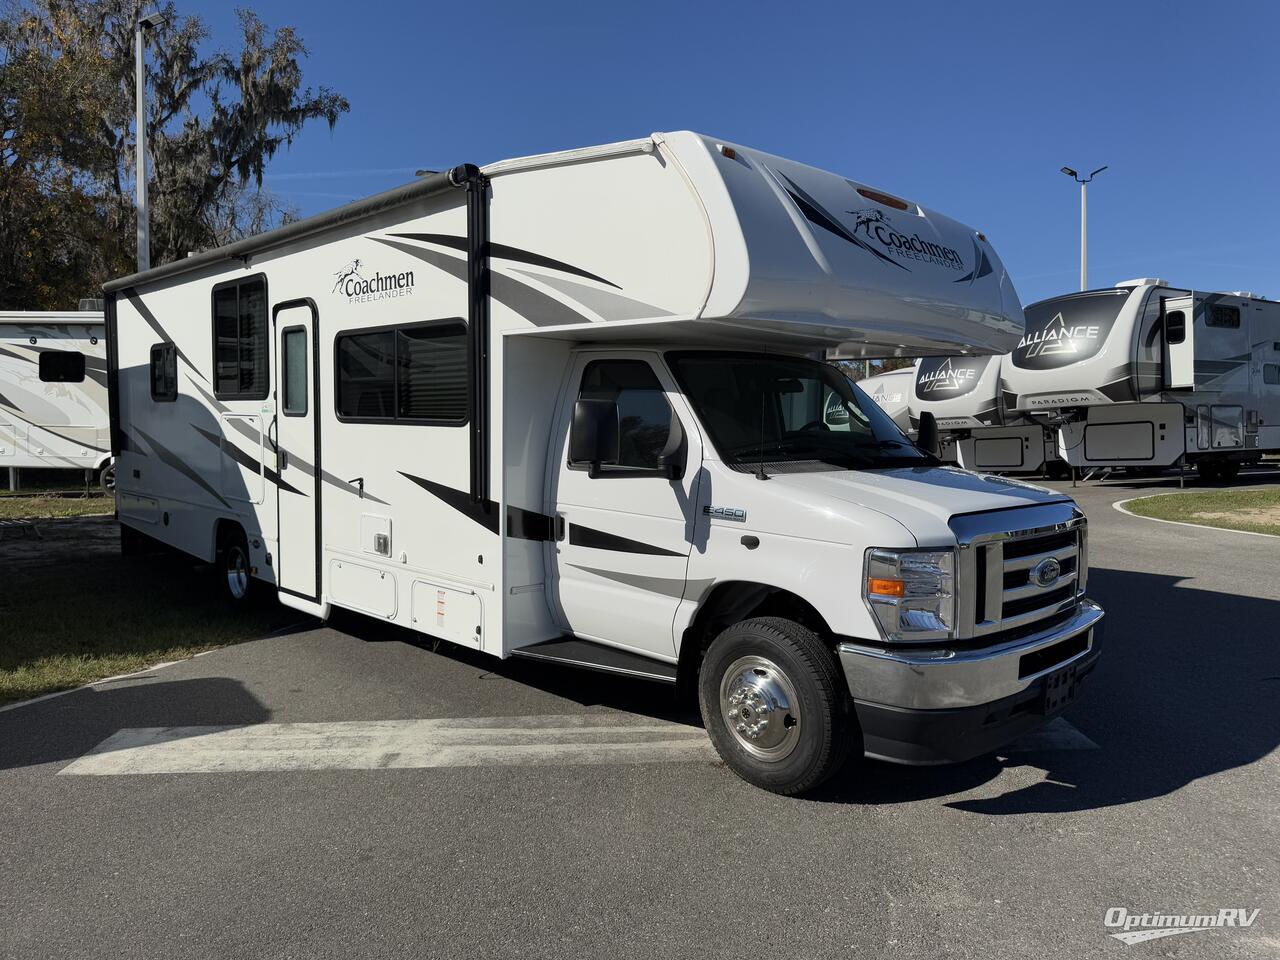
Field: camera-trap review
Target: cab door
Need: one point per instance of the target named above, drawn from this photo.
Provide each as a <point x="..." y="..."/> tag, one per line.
<point x="297" y="450"/>
<point x="624" y="529"/>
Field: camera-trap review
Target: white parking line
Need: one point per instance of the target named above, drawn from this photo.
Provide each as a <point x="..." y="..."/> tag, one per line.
<point x="395" y="744"/>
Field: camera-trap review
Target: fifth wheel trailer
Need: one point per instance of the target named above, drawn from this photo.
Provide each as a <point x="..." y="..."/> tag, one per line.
<point x="975" y="427"/>
<point x="1147" y="374"/>
<point x="569" y="407"/>
<point x="891" y="391"/>
<point x="53" y="390"/>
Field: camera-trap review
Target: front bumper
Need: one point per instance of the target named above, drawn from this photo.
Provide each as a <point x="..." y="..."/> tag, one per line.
<point x="943" y="706"/>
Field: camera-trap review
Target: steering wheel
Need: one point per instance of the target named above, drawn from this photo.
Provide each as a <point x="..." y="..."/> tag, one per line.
<point x="814" y="425"/>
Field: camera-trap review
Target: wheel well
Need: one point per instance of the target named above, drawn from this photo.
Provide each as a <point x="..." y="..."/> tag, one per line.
<point x="223" y="531"/>
<point x="727" y="604"/>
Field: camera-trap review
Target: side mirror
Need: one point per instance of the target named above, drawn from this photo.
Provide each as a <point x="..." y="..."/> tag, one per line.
<point x="593" y="438"/>
<point x="672" y="458"/>
<point x="927" y="436"/>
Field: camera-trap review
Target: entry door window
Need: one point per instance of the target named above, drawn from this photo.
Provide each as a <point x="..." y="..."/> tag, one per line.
<point x="293" y="349"/>
<point x="644" y="416"/>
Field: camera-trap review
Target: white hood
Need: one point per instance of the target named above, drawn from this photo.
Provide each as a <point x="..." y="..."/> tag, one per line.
<point x="922" y="499"/>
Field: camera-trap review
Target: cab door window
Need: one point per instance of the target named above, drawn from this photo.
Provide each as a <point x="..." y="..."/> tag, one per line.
<point x="644" y="416"/>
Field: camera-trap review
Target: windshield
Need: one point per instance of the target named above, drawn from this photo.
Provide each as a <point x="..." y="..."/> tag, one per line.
<point x="1064" y="330"/>
<point x="789" y="410"/>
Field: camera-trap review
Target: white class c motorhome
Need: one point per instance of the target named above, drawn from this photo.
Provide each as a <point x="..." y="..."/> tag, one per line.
<point x="53" y="390"/>
<point x="569" y="407"/>
<point x="976" y="428"/>
<point x="1147" y="375"/>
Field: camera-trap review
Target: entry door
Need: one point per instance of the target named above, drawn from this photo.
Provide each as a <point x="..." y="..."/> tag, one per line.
<point x="297" y="450"/>
<point x="1180" y="343"/>
<point x="625" y="530"/>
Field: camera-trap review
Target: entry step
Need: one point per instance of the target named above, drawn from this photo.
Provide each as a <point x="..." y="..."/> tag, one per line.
<point x="573" y="652"/>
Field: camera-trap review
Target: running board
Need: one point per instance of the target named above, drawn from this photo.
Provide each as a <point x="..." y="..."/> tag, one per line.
<point x="573" y="652"/>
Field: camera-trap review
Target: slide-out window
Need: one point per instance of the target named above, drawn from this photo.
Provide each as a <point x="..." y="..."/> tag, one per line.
<point x="164" y="372"/>
<point x="240" y="335"/>
<point x="415" y="373"/>
<point x="1222" y="315"/>
<point x="1271" y="373"/>
<point x="62" y="366"/>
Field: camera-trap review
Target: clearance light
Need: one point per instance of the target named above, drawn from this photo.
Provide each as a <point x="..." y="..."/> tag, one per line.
<point x="729" y="153"/>
<point x="884" y="198"/>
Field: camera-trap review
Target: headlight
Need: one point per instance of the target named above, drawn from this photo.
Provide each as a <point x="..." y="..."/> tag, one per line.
<point x="911" y="593"/>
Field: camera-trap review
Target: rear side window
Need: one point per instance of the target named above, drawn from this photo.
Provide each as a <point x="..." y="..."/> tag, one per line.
<point x="62" y="366"/>
<point x="411" y="374"/>
<point x="240" y="333"/>
<point x="164" y="372"/>
<point x="1271" y="373"/>
<point x="644" y="416"/>
<point x="1221" y="315"/>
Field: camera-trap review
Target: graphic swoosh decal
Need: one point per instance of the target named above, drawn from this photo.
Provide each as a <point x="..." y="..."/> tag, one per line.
<point x="504" y="252"/>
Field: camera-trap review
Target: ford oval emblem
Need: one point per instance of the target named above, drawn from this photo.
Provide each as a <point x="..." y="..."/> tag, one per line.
<point x="1046" y="572"/>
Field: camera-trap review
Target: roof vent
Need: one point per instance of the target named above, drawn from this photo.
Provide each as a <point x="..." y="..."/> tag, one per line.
<point x="1144" y="282"/>
<point x="1247" y="293"/>
<point x="88" y="304"/>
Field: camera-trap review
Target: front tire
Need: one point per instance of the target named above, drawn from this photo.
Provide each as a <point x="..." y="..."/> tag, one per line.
<point x="234" y="570"/>
<point x="775" y="705"/>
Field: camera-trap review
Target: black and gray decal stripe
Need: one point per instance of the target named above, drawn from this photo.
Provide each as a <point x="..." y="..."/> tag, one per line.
<point x="534" y="305"/>
<point x="246" y="461"/>
<point x="145" y="312"/>
<point x="581" y="536"/>
<point x="482" y="513"/>
<point x="667" y="586"/>
<point x="981" y="265"/>
<point x="504" y="252"/>
<point x="816" y="214"/>
<point x="171" y="459"/>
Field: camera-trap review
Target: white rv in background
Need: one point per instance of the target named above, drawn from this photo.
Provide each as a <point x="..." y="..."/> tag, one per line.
<point x="570" y="407"/>
<point x="1147" y="374"/>
<point x="53" y="391"/>
<point x="892" y="392"/>
<point x="976" y="429"/>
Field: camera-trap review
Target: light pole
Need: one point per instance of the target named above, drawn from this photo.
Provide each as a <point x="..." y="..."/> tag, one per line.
<point x="1084" y="220"/>
<point x="140" y="121"/>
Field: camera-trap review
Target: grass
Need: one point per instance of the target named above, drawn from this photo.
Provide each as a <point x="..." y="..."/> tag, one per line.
<point x="14" y="507"/>
<point x="74" y="611"/>
<point x="1257" y="511"/>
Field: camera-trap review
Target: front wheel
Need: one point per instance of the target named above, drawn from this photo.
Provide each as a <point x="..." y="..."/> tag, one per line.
<point x="775" y="705"/>
<point x="237" y="580"/>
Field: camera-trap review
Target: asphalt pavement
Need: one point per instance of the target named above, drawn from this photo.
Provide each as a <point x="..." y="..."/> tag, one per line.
<point x="345" y="791"/>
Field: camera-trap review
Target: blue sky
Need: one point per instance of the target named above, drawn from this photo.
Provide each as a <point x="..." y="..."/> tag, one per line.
<point x="970" y="108"/>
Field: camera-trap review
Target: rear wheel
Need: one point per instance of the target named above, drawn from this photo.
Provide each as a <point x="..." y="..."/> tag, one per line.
<point x="1210" y="471"/>
<point x="234" y="569"/>
<point x="775" y="705"/>
<point x="1228" y="470"/>
<point x="107" y="479"/>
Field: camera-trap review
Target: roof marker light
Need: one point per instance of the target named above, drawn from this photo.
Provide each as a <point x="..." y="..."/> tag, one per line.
<point x="884" y="198"/>
<point x="729" y="152"/>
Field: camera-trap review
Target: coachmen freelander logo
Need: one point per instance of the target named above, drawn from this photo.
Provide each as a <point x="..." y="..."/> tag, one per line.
<point x="351" y="283"/>
<point x="885" y="239"/>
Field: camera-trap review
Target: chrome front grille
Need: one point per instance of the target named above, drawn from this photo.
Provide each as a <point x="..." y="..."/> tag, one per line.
<point x="998" y="591"/>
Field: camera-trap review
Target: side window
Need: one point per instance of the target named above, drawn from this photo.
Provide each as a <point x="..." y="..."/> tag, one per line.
<point x="62" y="366"/>
<point x="1221" y="315"/>
<point x="293" y="361"/>
<point x="411" y="374"/>
<point x="164" y="372"/>
<point x="1271" y="373"/>
<point x="240" y="333"/>
<point x="644" y="416"/>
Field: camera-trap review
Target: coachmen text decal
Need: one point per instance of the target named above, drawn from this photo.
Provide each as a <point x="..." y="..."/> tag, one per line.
<point x="352" y="283"/>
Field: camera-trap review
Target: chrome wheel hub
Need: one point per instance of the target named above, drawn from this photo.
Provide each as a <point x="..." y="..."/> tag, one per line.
<point x="237" y="574"/>
<point x="760" y="708"/>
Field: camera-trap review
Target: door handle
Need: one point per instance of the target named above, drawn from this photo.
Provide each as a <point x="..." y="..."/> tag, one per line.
<point x="560" y="527"/>
<point x="358" y="482"/>
<point x="282" y="459"/>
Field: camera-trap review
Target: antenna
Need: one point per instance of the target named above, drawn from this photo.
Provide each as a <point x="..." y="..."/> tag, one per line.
<point x="760" y="474"/>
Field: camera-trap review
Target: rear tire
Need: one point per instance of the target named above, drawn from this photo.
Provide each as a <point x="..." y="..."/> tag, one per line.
<point x="233" y="569"/>
<point x="775" y="705"/>
<point x="107" y="479"/>
<point x="1228" y="470"/>
<point x="1210" y="471"/>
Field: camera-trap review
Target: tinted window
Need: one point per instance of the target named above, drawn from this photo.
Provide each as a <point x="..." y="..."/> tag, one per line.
<point x="62" y="366"/>
<point x="1061" y="331"/>
<point x="644" y="416"/>
<point x="1221" y="315"/>
<point x="1271" y="373"/>
<point x="788" y="410"/>
<point x="164" y="372"/>
<point x="415" y="374"/>
<point x="293" y="360"/>
<point x="240" y="333"/>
